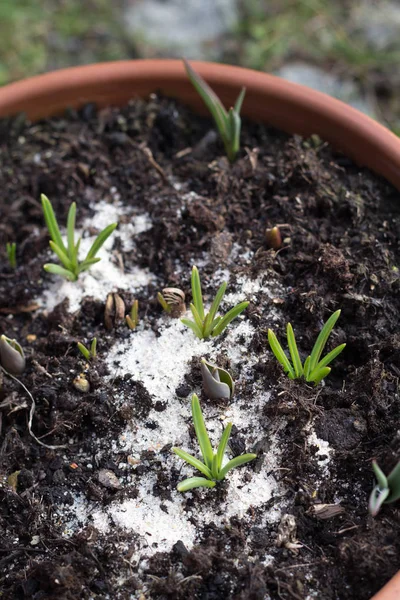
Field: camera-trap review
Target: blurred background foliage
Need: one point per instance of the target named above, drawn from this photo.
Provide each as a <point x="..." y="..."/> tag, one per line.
<point x="347" y="48"/>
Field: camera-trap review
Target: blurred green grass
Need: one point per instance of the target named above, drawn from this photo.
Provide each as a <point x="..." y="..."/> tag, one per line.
<point x="42" y="35"/>
<point x="50" y="34"/>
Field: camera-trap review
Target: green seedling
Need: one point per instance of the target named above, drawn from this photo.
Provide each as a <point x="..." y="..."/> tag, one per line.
<point x="11" y="249"/>
<point x="211" y="466"/>
<point x="209" y="324"/>
<point x="68" y="254"/>
<point x="387" y="489"/>
<point x="88" y="353"/>
<point x="217" y="383"/>
<point x="132" y="319"/>
<point x="314" y="369"/>
<point x="12" y="357"/>
<point x="228" y="122"/>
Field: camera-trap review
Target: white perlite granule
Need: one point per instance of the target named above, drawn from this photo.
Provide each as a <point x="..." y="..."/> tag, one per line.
<point x="105" y="276"/>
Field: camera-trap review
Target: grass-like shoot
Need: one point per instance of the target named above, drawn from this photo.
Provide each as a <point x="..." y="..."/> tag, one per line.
<point x="88" y="353"/>
<point x="217" y="383"/>
<point x="68" y="254"/>
<point x="11" y="249"/>
<point x="12" y="357"/>
<point x="386" y="490"/>
<point x="132" y="320"/>
<point x="211" y="466"/>
<point x="228" y="122"/>
<point x="209" y="324"/>
<point x="314" y="369"/>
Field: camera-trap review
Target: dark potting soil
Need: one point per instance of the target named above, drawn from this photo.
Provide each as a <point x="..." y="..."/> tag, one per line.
<point x="341" y="226"/>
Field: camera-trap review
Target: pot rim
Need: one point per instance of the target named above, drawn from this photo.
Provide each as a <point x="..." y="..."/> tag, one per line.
<point x="288" y="106"/>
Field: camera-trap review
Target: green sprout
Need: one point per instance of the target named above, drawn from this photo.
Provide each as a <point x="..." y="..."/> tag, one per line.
<point x="206" y="325"/>
<point x="228" y="122"/>
<point x="387" y="489"/>
<point x="11" y="249"/>
<point x="68" y="254"/>
<point x="314" y="369"/>
<point x="12" y="357"/>
<point x="212" y="465"/>
<point x="88" y="353"/>
<point x="132" y="319"/>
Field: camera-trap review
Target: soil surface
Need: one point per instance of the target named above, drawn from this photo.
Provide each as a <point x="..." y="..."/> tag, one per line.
<point x="341" y="230"/>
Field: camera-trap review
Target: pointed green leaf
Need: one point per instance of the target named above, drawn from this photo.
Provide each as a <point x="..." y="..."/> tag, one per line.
<point x="294" y="353"/>
<point x="307" y="368"/>
<point x="330" y="356"/>
<point x="51" y="222"/>
<point x="394" y="484"/>
<point x="194" y="462"/>
<point x="57" y="270"/>
<point x="209" y="98"/>
<point x="62" y="256"/>
<point x="318" y="374"/>
<point x="214" y="467"/>
<point x="322" y="339"/>
<point x="280" y="354"/>
<point x="201" y="432"/>
<point x="99" y="241"/>
<point x="197" y="294"/>
<point x="193" y="327"/>
<point x="239" y="101"/>
<point x="71" y="230"/>
<point x="163" y="303"/>
<point x="87" y="263"/>
<point x="197" y="318"/>
<point x="74" y="257"/>
<point x="230" y="315"/>
<point x="194" y="482"/>
<point x="236" y="462"/>
<point x="222" y="445"/>
<point x="380" y="492"/>
<point x="84" y="350"/>
<point x="214" y="309"/>
<point x="93" y="347"/>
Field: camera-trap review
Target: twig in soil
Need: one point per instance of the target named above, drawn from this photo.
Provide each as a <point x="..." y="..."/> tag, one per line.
<point x="31" y="413"/>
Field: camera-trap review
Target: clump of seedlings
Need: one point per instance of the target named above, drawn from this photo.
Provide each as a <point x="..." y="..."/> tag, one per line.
<point x="314" y="369"/>
<point x="12" y="357"/>
<point x="217" y="383"/>
<point x="11" y="250"/>
<point x="132" y="320"/>
<point x="209" y="324"/>
<point x="212" y="466"/>
<point x="68" y="254"/>
<point x="172" y="301"/>
<point x="88" y="353"/>
<point x="387" y="489"/>
<point x="228" y="122"/>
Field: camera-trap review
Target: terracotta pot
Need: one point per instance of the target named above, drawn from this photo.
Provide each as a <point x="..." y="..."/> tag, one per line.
<point x="391" y="591"/>
<point x="287" y="106"/>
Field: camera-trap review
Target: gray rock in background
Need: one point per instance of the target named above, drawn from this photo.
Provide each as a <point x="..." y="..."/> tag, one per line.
<point x="318" y="79"/>
<point x="377" y="22"/>
<point x="176" y="28"/>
